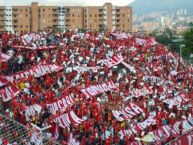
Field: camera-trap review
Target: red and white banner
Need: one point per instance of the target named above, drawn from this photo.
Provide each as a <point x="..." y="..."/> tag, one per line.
<point x="66" y="119"/>
<point x="30" y="111"/>
<point x="110" y="62"/>
<point x="82" y="69"/>
<point x="127" y="113"/>
<point x="36" y="138"/>
<point x="152" y="78"/>
<point x="72" y="140"/>
<point x="176" y="100"/>
<point x="190" y="68"/>
<point x="131" y="68"/>
<point x="142" y="92"/>
<point x="75" y="120"/>
<point x="34" y="48"/>
<point x="125" y="133"/>
<point x="61" y="104"/>
<point x="166" y="131"/>
<point x="184" y="140"/>
<point x="156" y="80"/>
<point x="3" y="81"/>
<point x="36" y="71"/>
<point x="140" y="41"/>
<point x="98" y="89"/>
<point x="149" y="41"/>
<point x="121" y="36"/>
<point x="8" y="92"/>
<point x="63" y="120"/>
<point x="170" y="55"/>
<point x="4" y="57"/>
<point x="143" y="125"/>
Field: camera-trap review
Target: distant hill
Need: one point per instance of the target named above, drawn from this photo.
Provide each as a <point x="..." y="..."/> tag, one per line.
<point x="147" y="6"/>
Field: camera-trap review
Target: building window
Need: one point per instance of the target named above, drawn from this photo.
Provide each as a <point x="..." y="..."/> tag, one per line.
<point x="26" y="26"/>
<point x="123" y="15"/>
<point x="26" y="10"/>
<point x="20" y="10"/>
<point x="20" y="26"/>
<point x="72" y="15"/>
<point x="90" y="15"/>
<point x="95" y="15"/>
<point x="26" y="15"/>
<point x="43" y="10"/>
<point x="123" y="25"/>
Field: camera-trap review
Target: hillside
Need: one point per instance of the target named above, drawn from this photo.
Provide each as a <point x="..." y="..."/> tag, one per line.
<point x="147" y="6"/>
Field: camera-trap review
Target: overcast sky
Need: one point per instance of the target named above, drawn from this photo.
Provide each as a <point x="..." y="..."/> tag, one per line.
<point x="65" y="2"/>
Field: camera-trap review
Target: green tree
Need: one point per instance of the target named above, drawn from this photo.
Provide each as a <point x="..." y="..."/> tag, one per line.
<point x="188" y="41"/>
<point x="164" y="37"/>
<point x="167" y="37"/>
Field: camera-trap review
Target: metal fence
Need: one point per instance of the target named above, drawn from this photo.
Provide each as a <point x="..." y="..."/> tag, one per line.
<point x="14" y="132"/>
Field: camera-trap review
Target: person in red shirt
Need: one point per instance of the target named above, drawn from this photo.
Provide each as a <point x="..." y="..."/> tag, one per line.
<point x="22" y="118"/>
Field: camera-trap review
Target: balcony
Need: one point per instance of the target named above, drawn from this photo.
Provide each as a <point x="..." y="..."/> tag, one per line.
<point x="118" y="10"/>
<point x="54" y="15"/>
<point x="101" y="11"/>
<point x="67" y="18"/>
<point x="67" y="15"/>
<point x="117" y="15"/>
<point x="101" y="15"/>
<point x="54" y="10"/>
<point x="67" y="22"/>
<point x="2" y="17"/>
<point x="15" y="21"/>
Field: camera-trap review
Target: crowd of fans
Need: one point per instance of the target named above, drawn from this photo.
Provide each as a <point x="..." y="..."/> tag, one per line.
<point x="87" y="49"/>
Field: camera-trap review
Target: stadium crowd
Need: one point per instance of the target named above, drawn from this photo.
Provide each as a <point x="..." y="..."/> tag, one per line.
<point x="155" y="84"/>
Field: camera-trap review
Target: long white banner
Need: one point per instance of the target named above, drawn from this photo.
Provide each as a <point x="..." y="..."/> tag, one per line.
<point x="82" y="69"/>
<point x="36" y="71"/>
<point x="30" y="111"/>
<point x="142" y="92"/>
<point x="176" y="100"/>
<point x="66" y="119"/>
<point x="4" y="57"/>
<point x="98" y="89"/>
<point x="110" y="62"/>
<point x="128" y="112"/>
<point x="8" y="92"/>
<point x="61" y="104"/>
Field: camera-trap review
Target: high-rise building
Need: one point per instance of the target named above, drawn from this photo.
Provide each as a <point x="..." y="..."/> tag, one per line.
<point x="34" y="18"/>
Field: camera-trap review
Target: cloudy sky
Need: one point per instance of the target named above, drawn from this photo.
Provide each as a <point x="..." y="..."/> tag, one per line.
<point x="65" y="2"/>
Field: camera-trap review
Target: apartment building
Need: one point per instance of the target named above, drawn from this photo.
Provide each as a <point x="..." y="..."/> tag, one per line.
<point x="34" y="18"/>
